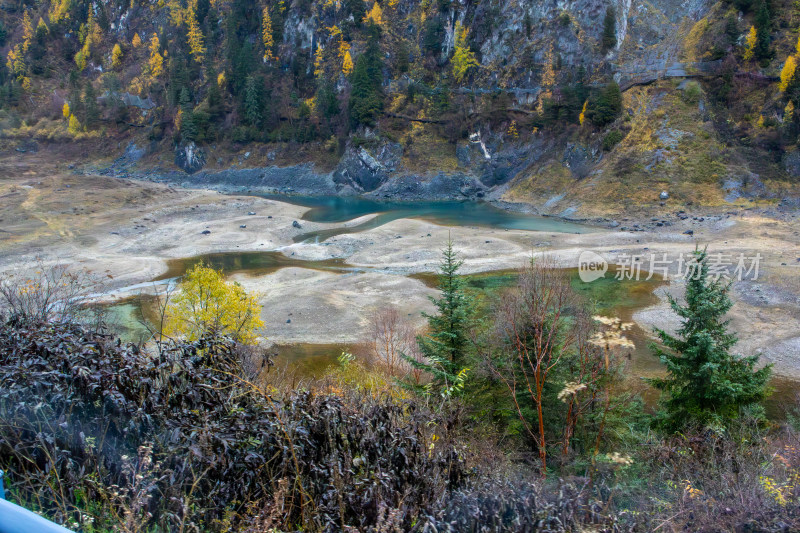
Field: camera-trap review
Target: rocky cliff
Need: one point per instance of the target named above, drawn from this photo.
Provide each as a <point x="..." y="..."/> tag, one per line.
<point x="418" y="99"/>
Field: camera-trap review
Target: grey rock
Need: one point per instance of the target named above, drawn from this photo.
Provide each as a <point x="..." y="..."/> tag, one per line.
<point x="189" y="157"/>
<point x="296" y="224"/>
<point x="791" y="162"/>
<point x="664" y="195"/>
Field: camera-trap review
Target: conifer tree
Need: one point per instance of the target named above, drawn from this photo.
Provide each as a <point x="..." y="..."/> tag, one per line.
<point x="609" y="39"/>
<point x="608" y="105"/>
<point x="444" y="348"/>
<point x="750" y="44"/>
<point x="375" y="14"/>
<point x="90" y="106"/>
<point x="27" y="31"/>
<point x="463" y="58"/>
<point x="252" y="102"/>
<point x="763" y="25"/>
<point x="156" y="63"/>
<point x="74" y="125"/>
<point x="705" y="385"/>
<point x="188" y="127"/>
<point x="266" y="35"/>
<point x="347" y="63"/>
<point x="195" y="37"/>
<point x="116" y="56"/>
<point x="366" y="97"/>
<point x="787" y="73"/>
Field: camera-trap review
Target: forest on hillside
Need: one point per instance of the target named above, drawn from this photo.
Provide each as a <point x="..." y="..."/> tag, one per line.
<point x="233" y="71"/>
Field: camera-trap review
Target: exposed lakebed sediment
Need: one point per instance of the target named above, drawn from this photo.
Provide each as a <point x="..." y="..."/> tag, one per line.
<point x="322" y="292"/>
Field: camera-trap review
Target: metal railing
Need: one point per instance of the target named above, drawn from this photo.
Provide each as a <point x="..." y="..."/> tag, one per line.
<point x="16" y="519"/>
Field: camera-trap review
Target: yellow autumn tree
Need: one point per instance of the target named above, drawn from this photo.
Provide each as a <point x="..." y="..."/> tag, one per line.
<point x="195" y="37"/>
<point x="16" y="62"/>
<point x="156" y="63"/>
<point x="750" y="44"/>
<point x="788" y="112"/>
<point x="513" y="132"/>
<point x="74" y="125"/>
<point x="787" y="73"/>
<point x="59" y="11"/>
<point x="375" y="14"/>
<point x="266" y="35"/>
<point x="41" y="27"/>
<point x="319" y="68"/>
<point x="344" y="46"/>
<point x="463" y="58"/>
<point x="116" y="56"/>
<point x="347" y="64"/>
<point x="65" y="111"/>
<point x="207" y="305"/>
<point x="91" y="35"/>
<point x="136" y="42"/>
<point x="582" y="116"/>
<point x="27" y="31"/>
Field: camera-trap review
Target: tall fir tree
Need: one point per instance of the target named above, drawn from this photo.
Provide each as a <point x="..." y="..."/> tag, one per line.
<point x="252" y="102"/>
<point x="366" y="96"/>
<point x="609" y="38"/>
<point x="188" y="125"/>
<point x="705" y="385"/>
<point x="92" y="112"/>
<point x="607" y="106"/>
<point x="446" y="345"/>
<point x="763" y="25"/>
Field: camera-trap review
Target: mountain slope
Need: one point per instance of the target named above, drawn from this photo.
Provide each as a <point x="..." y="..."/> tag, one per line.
<point x="509" y="99"/>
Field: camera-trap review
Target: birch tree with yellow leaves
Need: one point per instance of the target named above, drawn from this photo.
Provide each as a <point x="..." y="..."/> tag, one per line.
<point x="208" y="305"/>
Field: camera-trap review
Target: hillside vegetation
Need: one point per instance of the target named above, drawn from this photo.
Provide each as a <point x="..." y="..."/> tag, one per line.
<point x="548" y="99"/>
<point x="510" y="412"/>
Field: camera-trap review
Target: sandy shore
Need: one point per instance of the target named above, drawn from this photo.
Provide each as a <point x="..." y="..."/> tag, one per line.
<point x="125" y="231"/>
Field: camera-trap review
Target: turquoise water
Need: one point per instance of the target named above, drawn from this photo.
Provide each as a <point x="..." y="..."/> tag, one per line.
<point x="337" y="209"/>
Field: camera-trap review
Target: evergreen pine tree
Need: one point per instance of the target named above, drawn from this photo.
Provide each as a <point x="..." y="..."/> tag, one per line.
<point x="608" y="105"/>
<point x="609" y="39"/>
<point x="188" y="126"/>
<point x="366" y="96"/>
<point x="763" y="25"/>
<point x="705" y="383"/>
<point x="252" y="102"/>
<point x="445" y="346"/>
<point x="92" y="113"/>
